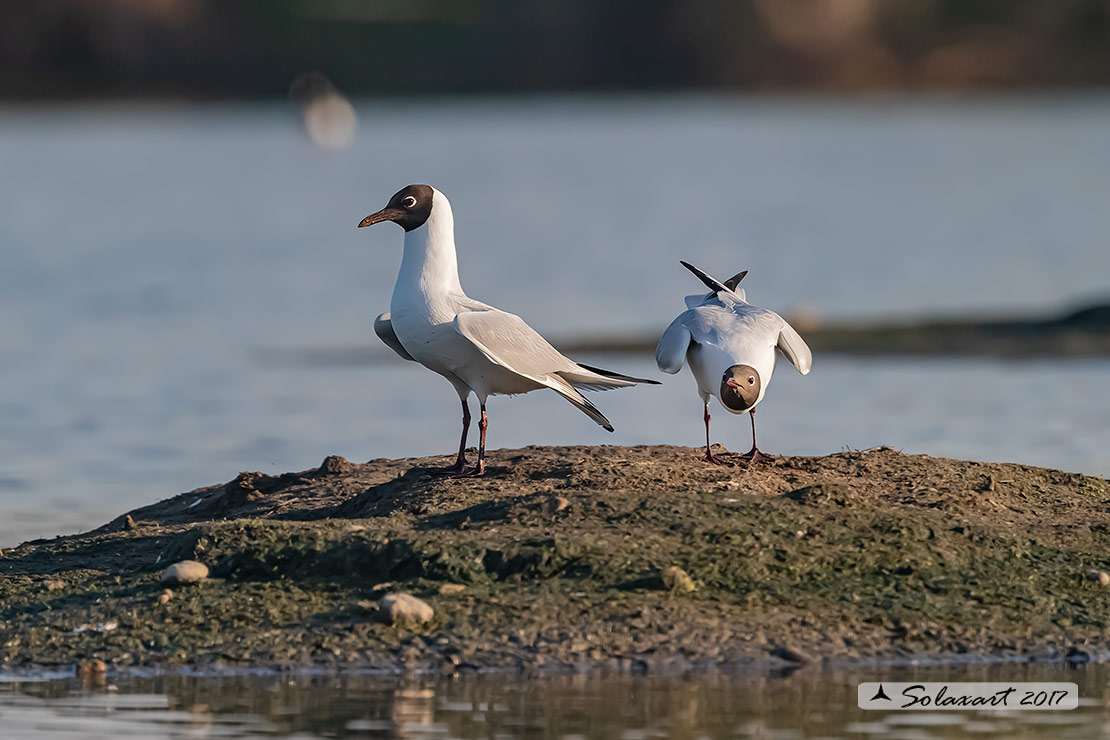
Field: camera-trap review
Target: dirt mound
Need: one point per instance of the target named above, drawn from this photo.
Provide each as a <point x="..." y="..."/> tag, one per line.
<point x="557" y="556"/>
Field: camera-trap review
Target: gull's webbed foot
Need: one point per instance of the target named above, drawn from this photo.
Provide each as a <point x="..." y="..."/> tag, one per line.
<point x="754" y="456"/>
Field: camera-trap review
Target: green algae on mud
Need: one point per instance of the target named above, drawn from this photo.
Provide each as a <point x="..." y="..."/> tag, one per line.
<point x="861" y="554"/>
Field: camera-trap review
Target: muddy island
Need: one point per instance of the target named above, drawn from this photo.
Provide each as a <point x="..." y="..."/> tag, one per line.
<point x="635" y="559"/>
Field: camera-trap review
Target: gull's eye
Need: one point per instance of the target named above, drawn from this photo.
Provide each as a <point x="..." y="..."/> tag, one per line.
<point x="751" y="380"/>
<point x="408" y="201"/>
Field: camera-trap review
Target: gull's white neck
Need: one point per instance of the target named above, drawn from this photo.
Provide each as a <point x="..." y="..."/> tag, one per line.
<point x="429" y="268"/>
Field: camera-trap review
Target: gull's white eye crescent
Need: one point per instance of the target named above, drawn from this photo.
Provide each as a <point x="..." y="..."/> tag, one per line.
<point x="408" y="201"/>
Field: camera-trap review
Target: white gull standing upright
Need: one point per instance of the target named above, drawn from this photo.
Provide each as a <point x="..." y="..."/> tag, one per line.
<point x="730" y="345"/>
<point x="478" y="348"/>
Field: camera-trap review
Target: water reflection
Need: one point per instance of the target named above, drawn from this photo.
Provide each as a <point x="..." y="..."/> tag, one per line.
<point x="806" y="704"/>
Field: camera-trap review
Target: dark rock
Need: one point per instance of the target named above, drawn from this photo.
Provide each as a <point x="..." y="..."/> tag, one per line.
<point x="335" y="465"/>
<point x="1075" y="655"/>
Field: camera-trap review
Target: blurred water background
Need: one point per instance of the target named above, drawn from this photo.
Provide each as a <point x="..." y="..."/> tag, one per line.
<point x="169" y="273"/>
<point x="810" y="703"/>
<point x="184" y="294"/>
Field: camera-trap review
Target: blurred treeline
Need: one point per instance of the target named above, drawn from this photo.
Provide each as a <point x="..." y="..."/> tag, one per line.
<point x="221" y="48"/>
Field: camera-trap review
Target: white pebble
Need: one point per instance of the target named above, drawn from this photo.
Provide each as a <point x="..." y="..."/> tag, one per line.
<point x="187" y="571"/>
<point x="404" y="609"/>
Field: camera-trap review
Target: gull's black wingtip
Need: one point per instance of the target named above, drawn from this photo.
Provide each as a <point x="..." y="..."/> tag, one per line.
<point x="710" y="282"/>
<point x="733" y="281"/>
<point x="610" y="374"/>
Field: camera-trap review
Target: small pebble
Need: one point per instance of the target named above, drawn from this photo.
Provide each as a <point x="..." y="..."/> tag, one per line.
<point x="555" y="504"/>
<point x="791" y="654"/>
<point x="1075" y="655"/>
<point x="54" y="584"/>
<point x="185" y="572"/>
<point x="451" y="588"/>
<point x="676" y="579"/>
<point x="1099" y="576"/>
<point x="91" y="669"/>
<point x="404" y="609"/>
<point x="164" y="597"/>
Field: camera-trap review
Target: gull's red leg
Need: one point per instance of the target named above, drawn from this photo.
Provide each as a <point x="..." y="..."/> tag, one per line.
<point x="460" y="462"/>
<point x="709" y="456"/>
<point x="754" y="455"/>
<point x="480" y="469"/>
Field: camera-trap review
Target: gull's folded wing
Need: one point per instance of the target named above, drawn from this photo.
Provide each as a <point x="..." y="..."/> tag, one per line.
<point x="698" y="299"/>
<point x="670" y="353"/>
<point x="715" y="286"/>
<point x="794" y="347"/>
<point x="506" y="340"/>
<point x="383" y="327"/>
<point x="701" y="299"/>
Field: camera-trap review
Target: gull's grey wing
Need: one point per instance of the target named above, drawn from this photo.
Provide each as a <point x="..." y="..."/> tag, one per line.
<point x="383" y="327"/>
<point x="794" y="347"/>
<point x="739" y="329"/>
<point x="670" y="353"/>
<point x="506" y="340"/>
<point x="693" y="301"/>
<point x="711" y="322"/>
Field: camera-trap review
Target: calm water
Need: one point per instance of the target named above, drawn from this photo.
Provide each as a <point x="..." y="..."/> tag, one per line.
<point x="150" y="257"/>
<point x="807" y="704"/>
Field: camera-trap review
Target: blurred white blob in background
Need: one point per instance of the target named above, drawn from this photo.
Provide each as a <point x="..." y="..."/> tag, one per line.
<point x="329" y="118"/>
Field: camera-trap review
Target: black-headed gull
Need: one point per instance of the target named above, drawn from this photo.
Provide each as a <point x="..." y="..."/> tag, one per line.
<point x="730" y="345"/>
<point x="478" y="348"/>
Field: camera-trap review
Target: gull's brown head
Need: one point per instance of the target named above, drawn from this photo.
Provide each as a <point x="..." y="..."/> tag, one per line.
<point x="740" y="388"/>
<point x="409" y="207"/>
